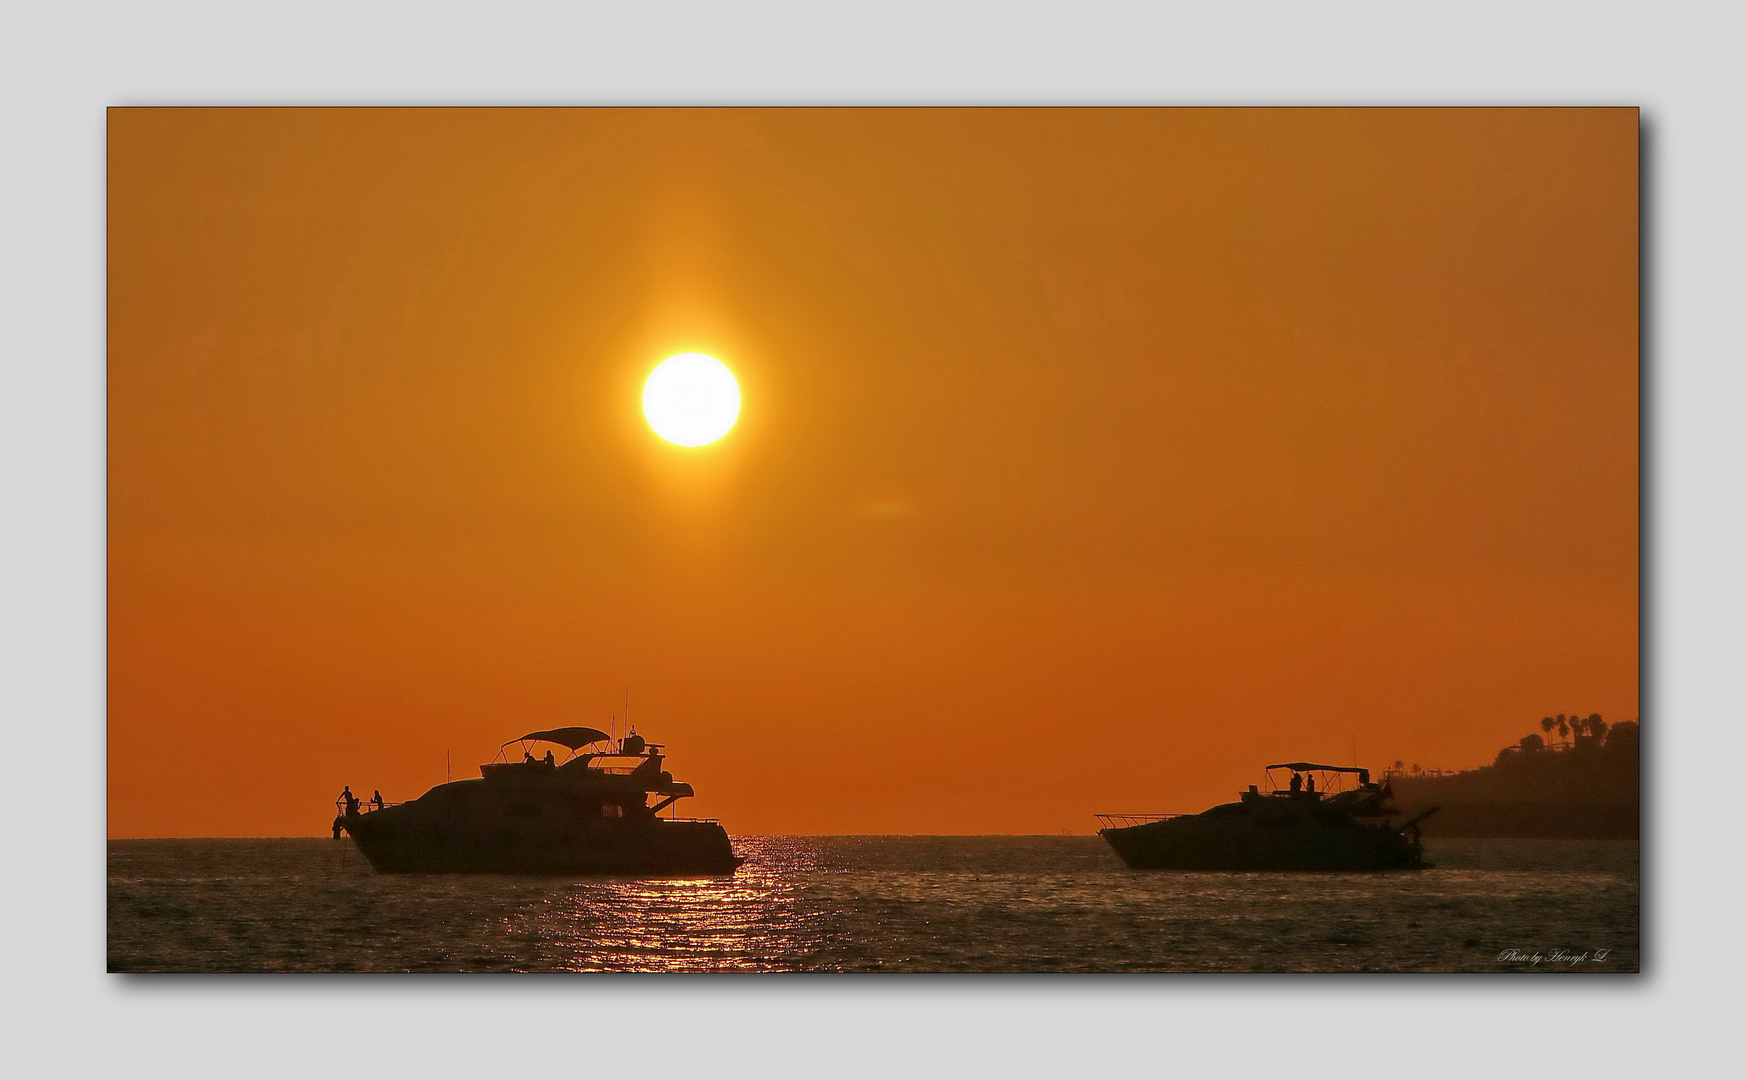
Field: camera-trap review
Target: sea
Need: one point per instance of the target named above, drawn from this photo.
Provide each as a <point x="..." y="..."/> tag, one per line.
<point x="876" y="903"/>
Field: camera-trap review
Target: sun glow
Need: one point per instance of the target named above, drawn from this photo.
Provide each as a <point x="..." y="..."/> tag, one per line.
<point x="691" y="399"/>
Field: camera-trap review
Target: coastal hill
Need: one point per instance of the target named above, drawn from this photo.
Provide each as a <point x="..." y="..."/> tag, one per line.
<point x="1586" y="785"/>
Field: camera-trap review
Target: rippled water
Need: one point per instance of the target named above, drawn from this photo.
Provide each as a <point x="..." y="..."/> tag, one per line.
<point x="873" y="903"/>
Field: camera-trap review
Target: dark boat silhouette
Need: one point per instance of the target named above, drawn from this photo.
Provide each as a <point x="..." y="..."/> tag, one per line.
<point x="589" y="814"/>
<point x="1298" y="828"/>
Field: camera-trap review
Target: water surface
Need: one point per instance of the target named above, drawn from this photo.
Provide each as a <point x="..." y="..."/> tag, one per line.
<point x="875" y="903"/>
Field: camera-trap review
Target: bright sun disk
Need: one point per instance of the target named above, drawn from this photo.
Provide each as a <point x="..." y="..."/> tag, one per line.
<point x="691" y="399"/>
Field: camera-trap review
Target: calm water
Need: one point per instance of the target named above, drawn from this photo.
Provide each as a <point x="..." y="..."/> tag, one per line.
<point x="873" y="903"/>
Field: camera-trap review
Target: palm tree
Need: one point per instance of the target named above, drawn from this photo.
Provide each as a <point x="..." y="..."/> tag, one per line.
<point x="1564" y="728"/>
<point x="1597" y="727"/>
<point x="1547" y="724"/>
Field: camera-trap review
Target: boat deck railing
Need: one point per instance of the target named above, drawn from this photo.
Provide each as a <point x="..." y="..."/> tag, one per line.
<point x="1128" y="821"/>
<point x="365" y="806"/>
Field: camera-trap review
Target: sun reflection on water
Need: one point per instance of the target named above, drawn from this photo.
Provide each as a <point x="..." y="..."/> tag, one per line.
<point x="755" y="920"/>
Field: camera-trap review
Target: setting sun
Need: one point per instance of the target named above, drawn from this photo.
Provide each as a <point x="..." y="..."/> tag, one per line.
<point x="691" y="399"/>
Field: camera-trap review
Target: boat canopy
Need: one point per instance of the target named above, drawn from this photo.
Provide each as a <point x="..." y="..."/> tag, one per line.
<point x="573" y="737"/>
<point x="1307" y="766"/>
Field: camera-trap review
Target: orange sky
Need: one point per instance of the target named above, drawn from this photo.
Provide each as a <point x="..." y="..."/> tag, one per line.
<point x="1089" y="460"/>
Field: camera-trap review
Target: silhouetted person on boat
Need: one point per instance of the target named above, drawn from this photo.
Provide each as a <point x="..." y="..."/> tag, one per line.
<point x="351" y="801"/>
<point x="1296" y="783"/>
<point x="1312" y="785"/>
<point x="527" y="757"/>
<point x="551" y="759"/>
<point x="376" y="800"/>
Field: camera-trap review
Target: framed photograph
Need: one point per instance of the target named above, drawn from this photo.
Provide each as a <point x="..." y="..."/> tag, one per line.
<point x="873" y="539"/>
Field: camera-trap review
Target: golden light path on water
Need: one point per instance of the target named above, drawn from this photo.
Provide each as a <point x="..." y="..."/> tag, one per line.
<point x="755" y="920"/>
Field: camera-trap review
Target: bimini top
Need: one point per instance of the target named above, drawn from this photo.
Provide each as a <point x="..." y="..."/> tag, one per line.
<point x="573" y="737"/>
<point x="1305" y="766"/>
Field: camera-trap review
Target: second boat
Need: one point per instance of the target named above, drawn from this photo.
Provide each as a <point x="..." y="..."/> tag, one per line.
<point x="1343" y="826"/>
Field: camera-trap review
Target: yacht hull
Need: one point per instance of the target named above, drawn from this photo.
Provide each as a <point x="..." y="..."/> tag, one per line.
<point x="401" y="843"/>
<point x="1248" y="843"/>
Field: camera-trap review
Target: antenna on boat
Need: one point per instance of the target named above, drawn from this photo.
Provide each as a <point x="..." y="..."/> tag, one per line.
<point x="448" y="766"/>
